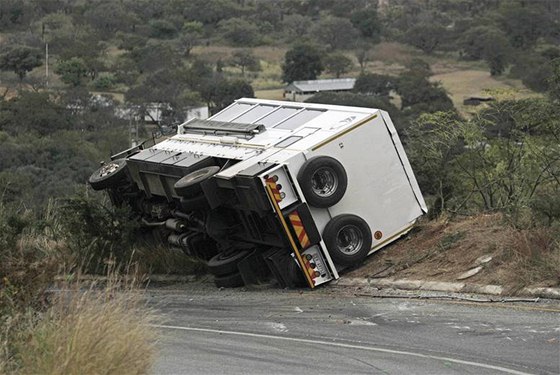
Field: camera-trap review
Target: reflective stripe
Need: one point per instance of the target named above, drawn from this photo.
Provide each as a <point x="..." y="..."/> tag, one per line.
<point x="299" y="229"/>
<point x="289" y="235"/>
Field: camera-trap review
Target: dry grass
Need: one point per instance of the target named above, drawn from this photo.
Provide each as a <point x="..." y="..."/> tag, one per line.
<point x="274" y="94"/>
<point x="535" y="254"/>
<point x="394" y="53"/>
<point x="461" y="84"/>
<point x="92" y="332"/>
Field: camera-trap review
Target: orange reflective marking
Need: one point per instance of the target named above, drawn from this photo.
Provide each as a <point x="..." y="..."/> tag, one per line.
<point x="278" y="211"/>
<point x="299" y="229"/>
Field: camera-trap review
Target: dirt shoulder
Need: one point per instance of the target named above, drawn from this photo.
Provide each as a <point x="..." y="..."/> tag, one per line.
<point x="484" y="246"/>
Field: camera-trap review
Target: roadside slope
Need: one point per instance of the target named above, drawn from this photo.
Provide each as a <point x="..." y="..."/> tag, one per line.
<point x="493" y="252"/>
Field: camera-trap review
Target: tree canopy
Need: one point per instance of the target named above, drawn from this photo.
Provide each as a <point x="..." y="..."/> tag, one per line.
<point x="20" y="60"/>
<point x="302" y="62"/>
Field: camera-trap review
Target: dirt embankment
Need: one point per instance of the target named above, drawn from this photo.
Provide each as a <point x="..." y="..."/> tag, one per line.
<point x="493" y="252"/>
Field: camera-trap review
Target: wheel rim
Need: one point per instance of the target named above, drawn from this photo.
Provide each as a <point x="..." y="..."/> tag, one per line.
<point x="349" y="239"/>
<point x="324" y="182"/>
<point x="108" y="169"/>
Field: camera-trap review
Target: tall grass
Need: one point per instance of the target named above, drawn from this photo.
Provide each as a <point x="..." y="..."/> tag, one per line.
<point x="97" y="331"/>
<point x="536" y="255"/>
<point x="86" y="330"/>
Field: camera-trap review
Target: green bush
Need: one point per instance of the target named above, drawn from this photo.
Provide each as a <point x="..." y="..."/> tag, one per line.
<point x="104" y="82"/>
<point x="97" y="233"/>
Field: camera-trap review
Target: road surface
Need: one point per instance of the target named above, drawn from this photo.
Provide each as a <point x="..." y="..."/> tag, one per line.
<point x="205" y="330"/>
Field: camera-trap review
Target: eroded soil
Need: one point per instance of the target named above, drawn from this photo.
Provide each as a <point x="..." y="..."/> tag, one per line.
<point x="444" y="250"/>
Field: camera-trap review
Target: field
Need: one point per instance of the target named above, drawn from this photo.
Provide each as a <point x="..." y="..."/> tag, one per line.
<point x="460" y="78"/>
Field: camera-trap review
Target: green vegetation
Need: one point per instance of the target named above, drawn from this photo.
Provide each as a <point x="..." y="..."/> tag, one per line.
<point x="53" y="131"/>
<point x="500" y="157"/>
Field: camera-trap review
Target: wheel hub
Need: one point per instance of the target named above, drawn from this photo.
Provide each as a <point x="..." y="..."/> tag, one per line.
<point x="349" y="239"/>
<point x="324" y="182"/>
<point x="108" y="169"/>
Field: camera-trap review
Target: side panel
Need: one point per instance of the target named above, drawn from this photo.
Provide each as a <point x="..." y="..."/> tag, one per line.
<point x="404" y="160"/>
<point x="378" y="189"/>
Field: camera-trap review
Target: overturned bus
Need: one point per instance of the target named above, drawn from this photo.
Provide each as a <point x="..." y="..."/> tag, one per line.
<point x="269" y="190"/>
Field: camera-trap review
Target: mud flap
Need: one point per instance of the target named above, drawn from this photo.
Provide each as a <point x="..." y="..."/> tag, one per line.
<point x="284" y="268"/>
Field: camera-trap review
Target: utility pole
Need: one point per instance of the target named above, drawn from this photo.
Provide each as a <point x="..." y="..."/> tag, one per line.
<point x="47" y="63"/>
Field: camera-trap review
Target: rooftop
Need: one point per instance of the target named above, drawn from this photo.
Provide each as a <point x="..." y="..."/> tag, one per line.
<point x="322" y="85"/>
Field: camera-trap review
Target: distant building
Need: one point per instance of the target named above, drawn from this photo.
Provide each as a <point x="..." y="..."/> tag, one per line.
<point x="154" y="112"/>
<point x="298" y="91"/>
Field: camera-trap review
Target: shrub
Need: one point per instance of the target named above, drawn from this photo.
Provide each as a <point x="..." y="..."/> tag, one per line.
<point x="104" y="82"/>
<point x="97" y="233"/>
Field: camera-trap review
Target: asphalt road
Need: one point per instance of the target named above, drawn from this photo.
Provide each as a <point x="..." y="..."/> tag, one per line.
<point x="270" y="331"/>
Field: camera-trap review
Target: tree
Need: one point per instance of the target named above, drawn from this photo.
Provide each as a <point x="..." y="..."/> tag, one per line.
<point x="506" y="158"/>
<point x="210" y="11"/>
<point x="240" y="32"/>
<point x="167" y="88"/>
<point x="534" y="70"/>
<point x="367" y="22"/>
<point x="419" y="67"/>
<point x="525" y="24"/>
<point x="72" y="71"/>
<point x="488" y="43"/>
<point x="107" y="17"/>
<point x="302" y="62"/>
<point x="296" y="25"/>
<point x="433" y="143"/>
<point x="155" y="56"/>
<point x="220" y="92"/>
<point x="32" y="112"/>
<point x="425" y="36"/>
<point x="419" y="95"/>
<point x="190" y="37"/>
<point x="363" y="55"/>
<point x="374" y="84"/>
<point x="335" y="32"/>
<point x="245" y="59"/>
<point x="20" y="60"/>
<point x="337" y="63"/>
<point x="162" y="29"/>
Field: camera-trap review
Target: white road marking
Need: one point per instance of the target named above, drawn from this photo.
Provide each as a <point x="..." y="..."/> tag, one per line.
<point x="342" y="345"/>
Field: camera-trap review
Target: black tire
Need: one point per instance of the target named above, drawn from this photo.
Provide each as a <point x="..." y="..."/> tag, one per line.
<point x="226" y="263"/>
<point x="323" y="181"/>
<point x="189" y="185"/>
<point x="198" y="202"/>
<point x="348" y="239"/>
<point x="108" y="175"/>
<point x="229" y="281"/>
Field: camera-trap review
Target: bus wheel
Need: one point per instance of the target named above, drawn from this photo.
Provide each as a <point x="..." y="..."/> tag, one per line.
<point x="323" y="181"/>
<point x="225" y="263"/>
<point x="108" y="175"/>
<point x="189" y="185"/>
<point x="348" y="239"/>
